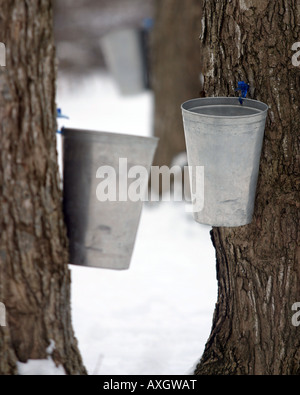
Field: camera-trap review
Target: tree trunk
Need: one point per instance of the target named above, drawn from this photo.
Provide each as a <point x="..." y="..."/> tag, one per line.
<point x="34" y="276"/>
<point x="258" y="266"/>
<point x="176" y="71"/>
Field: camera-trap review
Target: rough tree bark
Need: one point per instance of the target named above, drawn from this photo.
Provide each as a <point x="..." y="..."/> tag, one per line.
<point x="258" y="266"/>
<point x="34" y="276"/>
<point x="176" y="71"/>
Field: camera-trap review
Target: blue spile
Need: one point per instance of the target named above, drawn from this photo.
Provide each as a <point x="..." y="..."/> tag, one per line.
<point x="59" y="115"/>
<point x="148" y="24"/>
<point x="244" y="88"/>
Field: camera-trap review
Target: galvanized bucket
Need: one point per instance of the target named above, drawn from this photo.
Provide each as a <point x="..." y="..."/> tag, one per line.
<point x="102" y="234"/>
<point x="225" y="138"/>
<point x="123" y="52"/>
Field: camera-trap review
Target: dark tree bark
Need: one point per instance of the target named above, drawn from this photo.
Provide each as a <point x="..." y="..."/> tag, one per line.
<point x="34" y="276"/>
<point x="258" y="266"/>
<point x="176" y="71"/>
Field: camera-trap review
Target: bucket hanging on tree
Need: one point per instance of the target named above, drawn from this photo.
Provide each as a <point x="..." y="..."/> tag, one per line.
<point x="102" y="221"/>
<point x="225" y="136"/>
<point x="123" y="53"/>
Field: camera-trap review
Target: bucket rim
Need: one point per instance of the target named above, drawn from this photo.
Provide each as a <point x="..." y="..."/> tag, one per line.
<point x="112" y="32"/>
<point x="94" y="133"/>
<point x="190" y="110"/>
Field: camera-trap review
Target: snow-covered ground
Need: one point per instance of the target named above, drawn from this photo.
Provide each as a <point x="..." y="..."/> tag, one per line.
<point x="156" y="317"/>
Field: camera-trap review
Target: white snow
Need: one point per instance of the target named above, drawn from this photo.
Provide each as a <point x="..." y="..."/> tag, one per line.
<point x="40" y="368"/>
<point x="94" y="103"/>
<point x="44" y="367"/>
<point x="156" y="317"/>
<point x="51" y="348"/>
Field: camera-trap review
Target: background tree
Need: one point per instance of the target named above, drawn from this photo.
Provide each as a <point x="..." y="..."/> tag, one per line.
<point x="258" y="266"/>
<point x="34" y="276"/>
<point x="78" y="26"/>
<point x="176" y="71"/>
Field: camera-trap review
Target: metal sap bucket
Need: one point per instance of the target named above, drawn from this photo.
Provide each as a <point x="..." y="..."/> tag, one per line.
<point x="123" y="52"/>
<point x="225" y="138"/>
<point x="101" y="234"/>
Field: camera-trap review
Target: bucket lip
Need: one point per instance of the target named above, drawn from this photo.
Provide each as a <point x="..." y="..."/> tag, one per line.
<point x="119" y="30"/>
<point x="94" y="133"/>
<point x="233" y="98"/>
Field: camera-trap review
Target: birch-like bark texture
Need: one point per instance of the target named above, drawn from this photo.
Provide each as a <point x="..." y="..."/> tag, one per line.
<point x="34" y="276"/>
<point x="258" y="266"/>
